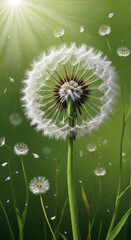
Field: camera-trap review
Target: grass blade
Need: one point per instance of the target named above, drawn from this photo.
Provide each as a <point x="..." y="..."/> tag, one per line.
<point x="64" y="238"/>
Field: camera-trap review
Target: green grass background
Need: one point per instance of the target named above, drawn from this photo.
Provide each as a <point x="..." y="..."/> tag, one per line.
<point x="31" y="32"/>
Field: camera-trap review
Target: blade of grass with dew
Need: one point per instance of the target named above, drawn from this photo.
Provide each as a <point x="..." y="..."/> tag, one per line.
<point x="119" y="226"/>
<point x="64" y="238"/>
<point x="8" y="222"/>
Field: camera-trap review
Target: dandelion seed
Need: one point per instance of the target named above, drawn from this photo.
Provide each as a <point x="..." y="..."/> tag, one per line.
<point x="65" y="73"/>
<point x="108" y="210"/>
<point x="82" y="29"/>
<point x="100" y="171"/>
<point x="65" y="232"/>
<point x="2" y="141"/>
<point x="4" y="164"/>
<point x="123" y="154"/>
<point x="59" y="32"/>
<point x="81" y="153"/>
<point x="46" y="206"/>
<point x="5" y="90"/>
<point x="91" y="147"/>
<point x="104" y="30"/>
<point x="53" y="218"/>
<point x="35" y="155"/>
<point x="8" y="201"/>
<point x="11" y="79"/>
<point x="15" y="119"/>
<point x="110" y="163"/>
<point x="46" y="150"/>
<point x="110" y="15"/>
<point x="8" y="178"/>
<point x="39" y="185"/>
<point x="21" y="149"/>
<point x="123" y="51"/>
<point x="104" y="142"/>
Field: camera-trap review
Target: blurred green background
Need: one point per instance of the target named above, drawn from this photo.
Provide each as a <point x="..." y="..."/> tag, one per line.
<point x="24" y="33"/>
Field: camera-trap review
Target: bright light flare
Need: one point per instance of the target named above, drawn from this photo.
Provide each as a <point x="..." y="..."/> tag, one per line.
<point x="15" y="3"/>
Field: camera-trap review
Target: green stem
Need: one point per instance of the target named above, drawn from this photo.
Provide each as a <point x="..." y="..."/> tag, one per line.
<point x="120" y="176"/>
<point x="43" y="208"/>
<point x="108" y="43"/>
<point x="27" y="191"/>
<point x="70" y="181"/>
<point x="7" y="219"/>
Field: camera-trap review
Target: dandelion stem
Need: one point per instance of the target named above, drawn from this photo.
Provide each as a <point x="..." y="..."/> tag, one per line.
<point x="7" y="219"/>
<point x="120" y="177"/>
<point x="108" y="43"/>
<point x="43" y="208"/>
<point x="70" y="180"/>
<point x="27" y="191"/>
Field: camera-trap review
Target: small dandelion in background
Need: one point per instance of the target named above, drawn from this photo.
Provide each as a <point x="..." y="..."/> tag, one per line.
<point x="15" y="119"/>
<point x="100" y="171"/>
<point x="21" y="149"/>
<point x="39" y="185"/>
<point x="46" y="150"/>
<point x="123" y="51"/>
<point x="91" y="147"/>
<point x="104" y="30"/>
<point x="110" y="15"/>
<point x="82" y="29"/>
<point x="2" y="141"/>
<point x="59" y="32"/>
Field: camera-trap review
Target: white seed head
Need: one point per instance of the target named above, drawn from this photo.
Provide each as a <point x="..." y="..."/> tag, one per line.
<point x="100" y="171"/>
<point x="15" y="119"/>
<point x="80" y="73"/>
<point x="59" y="32"/>
<point x="39" y="185"/>
<point x="91" y="147"/>
<point x="104" y="30"/>
<point x="123" y="51"/>
<point x="2" y="141"/>
<point x="21" y="149"/>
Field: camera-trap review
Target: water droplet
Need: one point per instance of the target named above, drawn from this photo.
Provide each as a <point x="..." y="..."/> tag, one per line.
<point x="4" y="164"/>
<point x="35" y="155"/>
<point x="8" y="178"/>
<point x="16" y="172"/>
<point x="65" y="232"/>
<point x="46" y="206"/>
<point x="2" y="141"/>
<point x="108" y="210"/>
<point x="11" y="79"/>
<point x="82" y="29"/>
<point x="123" y="154"/>
<point x="53" y="218"/>
<point x="104" y="142"/>
<point x="80" y="181"/>
<point x="110" y="15"/>
<point x="9" y="37"/>
<point x="54" y="195"/>
<point x="26" y="204"/>
<point x="20" y="53"/>
<point x="110" y="163"/>
<point x="8" y="201"/>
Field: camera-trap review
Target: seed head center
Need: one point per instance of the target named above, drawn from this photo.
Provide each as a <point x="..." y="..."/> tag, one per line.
<point x="70" y="90"/>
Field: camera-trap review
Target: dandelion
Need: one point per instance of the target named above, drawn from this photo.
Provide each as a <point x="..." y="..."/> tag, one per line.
<point x="104" y="30"/>
<point x="15" y="119"/>
<point x="123" y="51"/>
<point x="39" y="185"/>
<point x="2" y="141"/>
<point x="91" y="147"/>
<point x="46" y="150"/>
<point x="100" y="171"/>
<point x="59" y="32"/>
<point x="89" y="83"/>
<point x="20" y="149"/>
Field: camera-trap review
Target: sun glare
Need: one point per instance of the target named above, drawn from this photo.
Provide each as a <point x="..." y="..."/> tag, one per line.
<point x="15" y="3"/>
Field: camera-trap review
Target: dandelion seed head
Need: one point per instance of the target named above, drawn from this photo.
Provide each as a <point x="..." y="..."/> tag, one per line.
<point x="104" y="30"/>
<point x="100" y="171"/>
<point x="91" y="147"/>
<point x="59" y="32"/>
<point x="15" y="119"/>
<point x="2" y="141"/>
<point x="80" y="73"/>
<point x="39" y="185"/>
<point x="123" y="51"/>
<point x="21" y="149"/>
